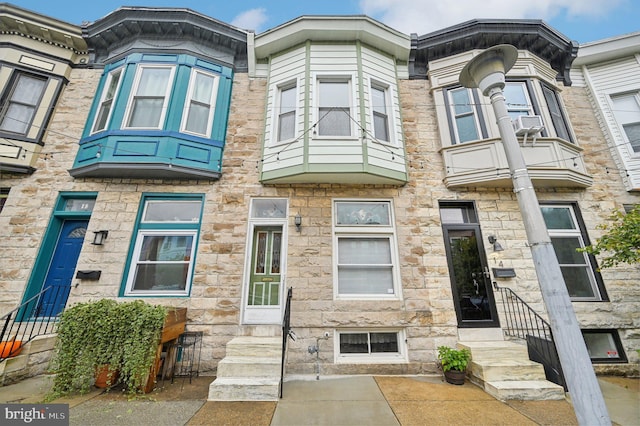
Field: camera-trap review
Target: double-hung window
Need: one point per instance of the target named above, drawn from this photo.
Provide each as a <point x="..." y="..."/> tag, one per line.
<point x="150" y="96"/>
<point x="334" y="107"/>
<point x="567" y="234"/>
<point x="286" y="120"/>
<point x="106" y="101"/>
<point x="380" y="109"/>
<point x="199" y="105"/>
<point x="517" y="99"/>
<point x="162" y="256"/>
<point x="464" y="115"/>
<point x="21" y="102"/>
<point x="626" y="109"/>
<point x="556" y="111"/>
<point x="365" y="250"/>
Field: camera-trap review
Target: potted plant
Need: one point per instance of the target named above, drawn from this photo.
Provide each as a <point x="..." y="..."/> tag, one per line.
<point x="454" y="363"/>
<point x="109" y="336"/>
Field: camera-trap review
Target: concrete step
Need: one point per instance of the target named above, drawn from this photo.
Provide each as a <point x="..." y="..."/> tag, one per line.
<point x="507" y="369"/>
<point x="247" y="389"/>
<point x="489" y="349"/>
<point x="524" y="390"/>
<point x="252" y="346"/>
<point x="232" y="366"/>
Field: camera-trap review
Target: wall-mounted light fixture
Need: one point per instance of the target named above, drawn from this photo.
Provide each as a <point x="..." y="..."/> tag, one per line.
<point x="494" y="241"/>
<point x="298" y="222"/>
<point x="99" y="237"/>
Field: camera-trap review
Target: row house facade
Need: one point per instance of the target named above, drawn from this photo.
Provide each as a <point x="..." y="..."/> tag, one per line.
<point x="332" y="155"/>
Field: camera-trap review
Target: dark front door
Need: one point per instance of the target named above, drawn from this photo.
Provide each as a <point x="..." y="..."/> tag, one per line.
<point x="62" y="266"/>
<point x="470" y="278"/>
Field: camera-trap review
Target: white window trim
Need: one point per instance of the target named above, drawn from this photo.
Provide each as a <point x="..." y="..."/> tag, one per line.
<point x="275" y="120"/>
<point x="388" y="99"/>
<point x="371" y="358"/>
<point x="189" y="97"/>
<point x="369" y="231"/>
<point x="347" y="77"/>
<point x="105" y="89"/>
<point x="530" y="109"/>
<point x="134" y="90"/>
<point x="576" y="233"/>
<point x="452" y="112"/>
<point x="133" y="267"/>
<point x="618" y="125"/>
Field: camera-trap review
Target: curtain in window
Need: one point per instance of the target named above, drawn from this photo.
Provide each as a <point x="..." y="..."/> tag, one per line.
<point x="149" y="99"/>
<point x="22" y="103"/>
<point x="200" y="105"/>
<point x="364" y="266"/>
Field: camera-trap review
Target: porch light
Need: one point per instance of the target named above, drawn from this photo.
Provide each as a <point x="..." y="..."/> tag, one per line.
<point x="494" y="241"/>
<point x="298" y="222"/>
<point x="99" y="237"/>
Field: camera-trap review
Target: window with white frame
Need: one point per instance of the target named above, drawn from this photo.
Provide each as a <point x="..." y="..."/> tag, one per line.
<point x="365" y="250"/>
<point x="464" y="113"/>
<point x="106" y="101"/>
<point x="626" y="109"/>
<point x="150" y="96"/>
<point x="286" y="119"/>
<point x="567" y="235"/>
<point x="21" y="101"/>
<point x="199" y="105"/>
<point x="517" y="99"/>
<point x="370" y="346"/>
<point x="380" y="109"/>
<point x="163" y="251"/>
<point x="334" y="106"/>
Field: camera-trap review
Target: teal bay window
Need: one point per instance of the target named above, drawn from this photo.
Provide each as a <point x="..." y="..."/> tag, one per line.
<point x="162" y="254"/>
<point x="157" y="116"/>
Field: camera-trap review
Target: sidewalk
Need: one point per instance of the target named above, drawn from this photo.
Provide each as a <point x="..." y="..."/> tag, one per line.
<point x="354" y="400"/>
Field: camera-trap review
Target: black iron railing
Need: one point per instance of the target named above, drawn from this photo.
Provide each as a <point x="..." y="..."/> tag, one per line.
<point x="286" y="334"/>
<point x="524" y="323"/>
<point x="35" y="317"/>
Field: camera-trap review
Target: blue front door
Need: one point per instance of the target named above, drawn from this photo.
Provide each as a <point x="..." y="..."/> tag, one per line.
<point x="63" y="264"/>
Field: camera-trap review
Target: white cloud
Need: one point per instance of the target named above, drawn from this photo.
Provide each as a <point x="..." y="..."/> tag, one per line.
<point x="425" y="16"/>
<point x="252" y="19"/>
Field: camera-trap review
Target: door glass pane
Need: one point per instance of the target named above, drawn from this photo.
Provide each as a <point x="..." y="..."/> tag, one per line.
<point x="261" y="253"/>
<point x="275" y="252"/>
<point x="470" y="284"/>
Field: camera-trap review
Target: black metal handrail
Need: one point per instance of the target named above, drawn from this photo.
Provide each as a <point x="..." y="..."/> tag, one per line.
<point x="524" y="323"/>
<point x="35" y="317"/>
<point x="286" y="333"/>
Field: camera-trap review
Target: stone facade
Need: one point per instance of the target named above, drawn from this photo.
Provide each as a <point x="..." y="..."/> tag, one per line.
<point x="425" y="311"/>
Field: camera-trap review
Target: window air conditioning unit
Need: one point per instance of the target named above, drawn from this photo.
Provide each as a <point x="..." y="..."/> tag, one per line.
<point x="527" y="125"/>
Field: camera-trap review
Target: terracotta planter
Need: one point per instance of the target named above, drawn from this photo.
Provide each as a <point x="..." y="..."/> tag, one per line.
<point x="10" y="348"/>
<point x="105" y="378"/>
<point x="455" y="377"/>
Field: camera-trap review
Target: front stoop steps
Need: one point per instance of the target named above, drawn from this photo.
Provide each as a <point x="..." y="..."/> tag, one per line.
<point x="32" y="361"/>
<point x="250" y="371"/>
<point x="503" y="370"/>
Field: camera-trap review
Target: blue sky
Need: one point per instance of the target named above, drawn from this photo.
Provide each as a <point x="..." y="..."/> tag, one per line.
<point x="580" y="20"/>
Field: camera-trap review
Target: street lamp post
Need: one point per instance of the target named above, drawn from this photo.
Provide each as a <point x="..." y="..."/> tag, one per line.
<point x="486" y="72"/>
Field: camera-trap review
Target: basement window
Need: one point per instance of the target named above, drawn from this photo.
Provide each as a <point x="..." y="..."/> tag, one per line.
<point x="604" y="346"/>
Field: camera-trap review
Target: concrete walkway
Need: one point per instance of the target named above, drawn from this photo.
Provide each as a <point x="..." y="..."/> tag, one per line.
<point x="354" y="400"/>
